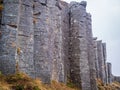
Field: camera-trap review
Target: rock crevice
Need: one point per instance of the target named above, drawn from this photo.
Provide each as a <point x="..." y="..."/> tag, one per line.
<point x="52" y="40"/>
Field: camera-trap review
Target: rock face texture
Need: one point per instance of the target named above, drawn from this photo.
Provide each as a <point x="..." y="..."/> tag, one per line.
<point x="81" y="45"/>
<point x="116" y="78"/>
<point x="49" y="39"/>
<point x="52" y="40"/>
<point x="109" y="73"/>
<point x="25" y="37"/>
<point x="8" y="38"/>
<point x="101" y="61"/>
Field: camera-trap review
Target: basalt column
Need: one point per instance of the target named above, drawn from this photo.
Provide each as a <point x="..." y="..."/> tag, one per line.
<point x="79" y="65"/>
<point x="9" y="28"/>
<point x="65" y="39"/>
<point x="42" y="49"/>
<point x="109" y="72"/>
<point x="25" y="38"/>
<point x="96" y="57"/>
<point x="101" y="62"/>
<point x="56" y="39"/>
<point x="91" y="53"/>
<point x="105" y="58"/>
<point x="48" y="38"/>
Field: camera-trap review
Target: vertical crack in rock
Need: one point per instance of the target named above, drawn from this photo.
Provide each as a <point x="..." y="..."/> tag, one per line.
<point x="58" y="4"/>
<point x="90" y="50"/>
<point x="109" y="73"/>
<point x="52" y="40"/>
<point x="42" y="42"/>
<point x="9" y="27"/>
<point x="25" y="37"/>
<point x="79" y="63"/>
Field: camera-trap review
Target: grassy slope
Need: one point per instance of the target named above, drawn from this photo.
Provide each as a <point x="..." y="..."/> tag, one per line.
<point x="112" y="86"/>
<point x="21" y="81"/>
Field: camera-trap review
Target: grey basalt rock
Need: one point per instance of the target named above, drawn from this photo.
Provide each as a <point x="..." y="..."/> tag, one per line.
<point x="100" y="59"/>
<point x="79" y="63"/>
<point x="96" y="57"/>
<point x="42" y="57"/>
<point x="101" y="55"/>
<point x="11" y="1"/>
<point x="109" y="73"/>
<point x="116" y="78"/>
<point x="91" y="53"/>
<point x="52" y="40"/>
<point x="83" y="3"/>
<point x="9" y="28"/>
<point x="25" y="38"/>
<point x="105" y="59"/>
<point x="48" y="39"/>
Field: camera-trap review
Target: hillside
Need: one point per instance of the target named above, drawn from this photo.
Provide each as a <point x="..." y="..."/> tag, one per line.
<point x="112" y="86"/>
<point x="20" y="81"/>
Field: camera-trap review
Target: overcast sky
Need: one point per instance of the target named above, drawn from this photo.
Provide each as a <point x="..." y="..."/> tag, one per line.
<point x="106" y="26"/>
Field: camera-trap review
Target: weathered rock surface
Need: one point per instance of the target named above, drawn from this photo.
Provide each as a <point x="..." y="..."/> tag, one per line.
<point x="109" y="73"/>
<point x="116" y="78"/>
<point x="25" y="37"/>
<point x="9" y="28"/>
<point x="52" y="40"/>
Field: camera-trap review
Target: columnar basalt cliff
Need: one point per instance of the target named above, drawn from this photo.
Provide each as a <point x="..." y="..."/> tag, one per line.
<point x="52" y="40"/>
<point x="81" y="45"/>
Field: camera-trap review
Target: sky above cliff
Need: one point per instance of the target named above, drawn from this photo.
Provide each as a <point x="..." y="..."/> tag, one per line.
<point x="106" y="26"/>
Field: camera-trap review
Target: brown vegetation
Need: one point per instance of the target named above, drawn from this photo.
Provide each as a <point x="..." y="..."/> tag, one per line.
<point x="1" y="5"/>
<point x="112" y="86"/>
<point x="20" y="81"/>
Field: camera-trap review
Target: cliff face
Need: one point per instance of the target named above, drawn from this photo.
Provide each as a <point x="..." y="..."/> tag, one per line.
<point x="35" y="35"/>
<point x="52" y="40"/>
<point x="81" y="44"/>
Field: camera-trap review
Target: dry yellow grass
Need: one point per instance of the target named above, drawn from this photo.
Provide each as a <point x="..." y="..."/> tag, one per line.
<point x="112" y="86"/>
<point x="20" y="81"/>
<point x="3" y="84"/>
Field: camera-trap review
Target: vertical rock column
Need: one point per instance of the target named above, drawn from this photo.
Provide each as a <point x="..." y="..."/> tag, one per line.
<point x="25" y="38"/>
<point x="65" y="39"/>
<point x="56" y="9"/>
<point x="101" y="61"/>
<point x="56" y="40"/>
<point x="109" y="73"/>
<point x="48" y="38"/>
<point x="42" y="41"/>
<point x="91" y="54"/>
<point x="9" y="28"/>
<point x="105" y="58"/>
<point x="96" y="57"/>
<point x="79" y="65"/>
